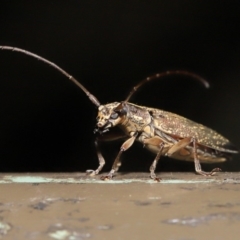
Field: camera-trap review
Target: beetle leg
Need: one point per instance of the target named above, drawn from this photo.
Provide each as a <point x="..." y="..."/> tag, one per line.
<point x="101" y="161"/>
<point x="106" y="137"/>
<point x="155" y="162"/>
<point x="155" y="141"/>
<point x="179" y="145"/>
<point x="198" y="168"/>
<point x="117" y="162"/>
<point x="185" y="142"/>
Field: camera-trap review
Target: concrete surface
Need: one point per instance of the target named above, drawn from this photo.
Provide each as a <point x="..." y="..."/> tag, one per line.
<point x="183" y="206"/>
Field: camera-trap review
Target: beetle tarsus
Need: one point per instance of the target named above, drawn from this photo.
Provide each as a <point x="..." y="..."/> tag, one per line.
<point x="107" y="177"/>
<point x="91" y="172"/>
<point x="156" y="179"/>
<point x="214" y="171"/>
<point x="209" y="174"/>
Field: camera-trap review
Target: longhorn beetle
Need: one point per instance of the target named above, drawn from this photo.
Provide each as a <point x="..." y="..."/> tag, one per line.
<point x="162" y="132"/>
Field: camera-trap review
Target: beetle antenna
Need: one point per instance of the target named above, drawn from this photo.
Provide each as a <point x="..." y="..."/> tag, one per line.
<point x="92" y="98"/>
<point x="167" y="73"/>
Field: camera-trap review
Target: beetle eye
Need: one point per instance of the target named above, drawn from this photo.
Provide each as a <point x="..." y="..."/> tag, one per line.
<point x="114" y="115"/>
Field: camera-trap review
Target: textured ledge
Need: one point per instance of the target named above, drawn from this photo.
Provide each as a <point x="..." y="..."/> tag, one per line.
<point x="183" y="206"/>
<point x="120" y="178"/>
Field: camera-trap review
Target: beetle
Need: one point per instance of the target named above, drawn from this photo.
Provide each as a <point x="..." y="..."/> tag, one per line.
<point x="162" y="132"/>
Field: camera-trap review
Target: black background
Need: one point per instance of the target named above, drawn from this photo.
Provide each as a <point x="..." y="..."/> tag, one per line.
<point x="47" y="123"/>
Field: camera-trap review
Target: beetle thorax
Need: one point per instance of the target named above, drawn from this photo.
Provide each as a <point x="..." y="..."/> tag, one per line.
<point x="137" y="116"/>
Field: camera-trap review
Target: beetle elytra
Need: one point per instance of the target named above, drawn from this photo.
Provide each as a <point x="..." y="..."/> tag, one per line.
<point x="161" y="132"/>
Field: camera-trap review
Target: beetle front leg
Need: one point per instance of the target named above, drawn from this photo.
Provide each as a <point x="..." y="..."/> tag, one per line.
<point x="101" y="161"/>
<point x="110" y="136"/>
<point x="197" y="164"/>
<point x="117" y="162"/>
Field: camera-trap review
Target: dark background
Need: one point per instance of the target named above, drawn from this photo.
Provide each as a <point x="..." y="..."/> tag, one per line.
<point x="47" y="123"/>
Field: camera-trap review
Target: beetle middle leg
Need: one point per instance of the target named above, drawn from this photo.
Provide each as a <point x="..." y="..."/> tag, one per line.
<point x="157" y="142"/>
<point x="155" y="162"/>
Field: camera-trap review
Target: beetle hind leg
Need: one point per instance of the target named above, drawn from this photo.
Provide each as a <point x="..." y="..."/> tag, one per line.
<point x="182" y="144"/>
<point x="199" y="170"/>
<point x="197" y="164"/>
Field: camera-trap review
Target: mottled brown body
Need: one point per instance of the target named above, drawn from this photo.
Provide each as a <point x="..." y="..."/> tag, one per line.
<point x="162" y="132"/>
<point x="171" y="128"/>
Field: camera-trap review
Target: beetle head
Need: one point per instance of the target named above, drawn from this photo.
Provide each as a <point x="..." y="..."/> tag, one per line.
<point x="110" y="115"/>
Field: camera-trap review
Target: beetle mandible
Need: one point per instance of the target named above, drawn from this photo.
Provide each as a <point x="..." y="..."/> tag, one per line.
<point x="162" y="132"/>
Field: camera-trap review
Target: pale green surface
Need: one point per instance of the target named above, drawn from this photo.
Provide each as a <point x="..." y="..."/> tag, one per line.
<point x="38" y="179"/>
